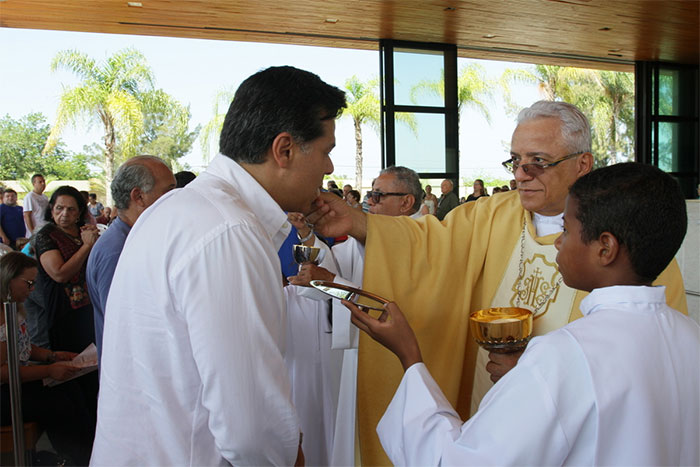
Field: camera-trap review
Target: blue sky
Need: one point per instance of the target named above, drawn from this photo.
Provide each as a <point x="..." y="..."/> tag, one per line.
<point x="194" y="70"/>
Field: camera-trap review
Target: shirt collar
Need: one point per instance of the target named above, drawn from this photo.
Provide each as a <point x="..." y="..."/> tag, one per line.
<point x="258" y="200"/>
<point x="623" y="294"/>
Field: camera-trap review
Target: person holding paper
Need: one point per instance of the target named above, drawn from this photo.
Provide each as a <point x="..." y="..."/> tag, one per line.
<point x="61" y="410"/>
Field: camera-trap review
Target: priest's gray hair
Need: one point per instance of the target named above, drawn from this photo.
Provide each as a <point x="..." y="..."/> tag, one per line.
<point x="575" y="129"/>
<point x="131" y="174"/>
<point x="408" y="181"/>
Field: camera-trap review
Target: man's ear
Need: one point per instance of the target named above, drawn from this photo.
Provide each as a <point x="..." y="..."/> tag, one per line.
<point x="407" y="203"/>
<point x="609" y="248"/>
<point x="283" y="149"/>
<point x="136" y="196"/>
<point x="584" y="163"/>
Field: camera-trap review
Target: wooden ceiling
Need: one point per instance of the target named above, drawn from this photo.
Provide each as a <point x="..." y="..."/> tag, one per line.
<point x="605" y="33"/>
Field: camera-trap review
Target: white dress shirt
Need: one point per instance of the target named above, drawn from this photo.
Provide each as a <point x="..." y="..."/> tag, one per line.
<point x="192" y="366"/>
<point x="617" y="387"/>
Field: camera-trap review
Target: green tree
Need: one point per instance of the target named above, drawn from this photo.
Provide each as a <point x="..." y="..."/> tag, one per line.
<point x="166" y="129"/>
<point x="21" y="143"/>
<point x="363" y="108"/>
<point x="605" y="97"/>
<point x="474" y="89"/>
<point x="110" y="92"/>
<point x="209" y="134"/>
<point x="613" y="116"/>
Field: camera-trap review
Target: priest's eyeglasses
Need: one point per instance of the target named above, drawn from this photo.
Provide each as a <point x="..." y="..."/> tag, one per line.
<point x="376" y="196"/>
<point x="534" y="168"/>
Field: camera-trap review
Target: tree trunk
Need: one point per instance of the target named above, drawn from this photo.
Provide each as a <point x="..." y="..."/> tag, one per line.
<point x="613" y="139"/>
<point x="358" y="155"/>
<point x="110" y="143"/>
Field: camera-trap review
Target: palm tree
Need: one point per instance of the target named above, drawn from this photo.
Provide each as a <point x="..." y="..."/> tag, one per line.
<point x="474" y="89"/>
<point x="109" y="92"/>
<point x="363" y="108"/>
<point x="211" y="131"/>
<point x="613" y="116"/>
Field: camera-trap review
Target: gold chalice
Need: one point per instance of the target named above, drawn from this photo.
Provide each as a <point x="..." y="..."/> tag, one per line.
<point x="502" y="330"/>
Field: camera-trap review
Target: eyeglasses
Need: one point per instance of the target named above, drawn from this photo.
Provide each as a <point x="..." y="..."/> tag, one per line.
<point x="30" y="284"/>
<point x="534" y="168"/>
<point x="376" y="196"/>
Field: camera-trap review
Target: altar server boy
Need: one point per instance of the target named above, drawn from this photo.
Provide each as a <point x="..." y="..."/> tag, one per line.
<point x="618" y="387"/>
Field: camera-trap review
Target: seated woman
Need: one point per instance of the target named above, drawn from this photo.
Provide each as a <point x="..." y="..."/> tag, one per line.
<point x="353" y="199"/>
<point x="479" y="190"/>
<point x="61" y="409"/>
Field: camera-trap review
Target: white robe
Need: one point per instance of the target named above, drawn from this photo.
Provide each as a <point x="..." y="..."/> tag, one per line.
<point x="608" y="389"/>
<point x="346" y="261"/>
<point x="314" y="372"/>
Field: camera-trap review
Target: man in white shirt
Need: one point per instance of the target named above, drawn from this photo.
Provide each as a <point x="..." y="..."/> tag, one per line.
<point x="35" y="204"/>
<point x="192" y="362"/>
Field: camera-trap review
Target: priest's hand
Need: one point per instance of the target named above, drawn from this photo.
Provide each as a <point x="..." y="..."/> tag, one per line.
<point x="391" y="330"/>
<point x="501" y="363"/>
<point x="333" y="217"/>
<point x="310" y="272"/>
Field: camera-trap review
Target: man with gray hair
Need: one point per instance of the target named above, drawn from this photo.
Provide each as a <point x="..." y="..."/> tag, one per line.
<point x="138" y="183"/>
<point x="497" y="252"/>
<point x="396" y="192"/>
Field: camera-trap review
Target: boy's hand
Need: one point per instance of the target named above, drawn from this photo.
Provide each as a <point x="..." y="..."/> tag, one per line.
<point x="391" y="330"/>
<point x="501" y="363"/>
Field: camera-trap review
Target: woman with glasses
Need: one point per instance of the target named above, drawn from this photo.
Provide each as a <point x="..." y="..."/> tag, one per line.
<point x="62" y="247"/>
<point x="61" y="409"/>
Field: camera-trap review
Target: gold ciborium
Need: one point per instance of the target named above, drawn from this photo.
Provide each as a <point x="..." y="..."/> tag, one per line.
<point x="502" y="330"/>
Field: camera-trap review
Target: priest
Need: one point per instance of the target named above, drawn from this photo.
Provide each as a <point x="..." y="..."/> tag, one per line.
<point x="497" y="251"/>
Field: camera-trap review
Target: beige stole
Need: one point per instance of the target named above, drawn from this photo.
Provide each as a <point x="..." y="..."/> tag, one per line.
<point x="539" y="290"/>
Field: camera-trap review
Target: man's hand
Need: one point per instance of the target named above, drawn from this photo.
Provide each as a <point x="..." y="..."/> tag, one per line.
<point x="333" y="217"/>
<point x="311" y="272"/>
<point x="501" y="363"/>
<point x="4" y="239"/>
<point x="391" y="330"/>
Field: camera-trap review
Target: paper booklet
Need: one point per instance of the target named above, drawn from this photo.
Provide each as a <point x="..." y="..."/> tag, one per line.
<point x="86" y="360"/>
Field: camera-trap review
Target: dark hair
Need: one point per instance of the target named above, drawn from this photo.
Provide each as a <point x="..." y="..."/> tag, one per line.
<point x="66" y="190"/>
<point x="7" y="190"/>
<point x="92" y="195"/>
<point x="355" y="194"/>
<point x="642" y="206"/>
<point x="12" y="264"/>
<point x="35" y="176"/>
<point x="273" y="101"/>
<point x="183" y="178"/>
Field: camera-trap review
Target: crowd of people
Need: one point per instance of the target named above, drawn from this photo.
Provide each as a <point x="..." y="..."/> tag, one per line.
<point x="214" y="348"/>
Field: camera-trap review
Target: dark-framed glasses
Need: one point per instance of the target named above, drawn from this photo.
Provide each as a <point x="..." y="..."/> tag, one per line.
<point x="376" y="196"/>
<point x="535" y="168"/>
